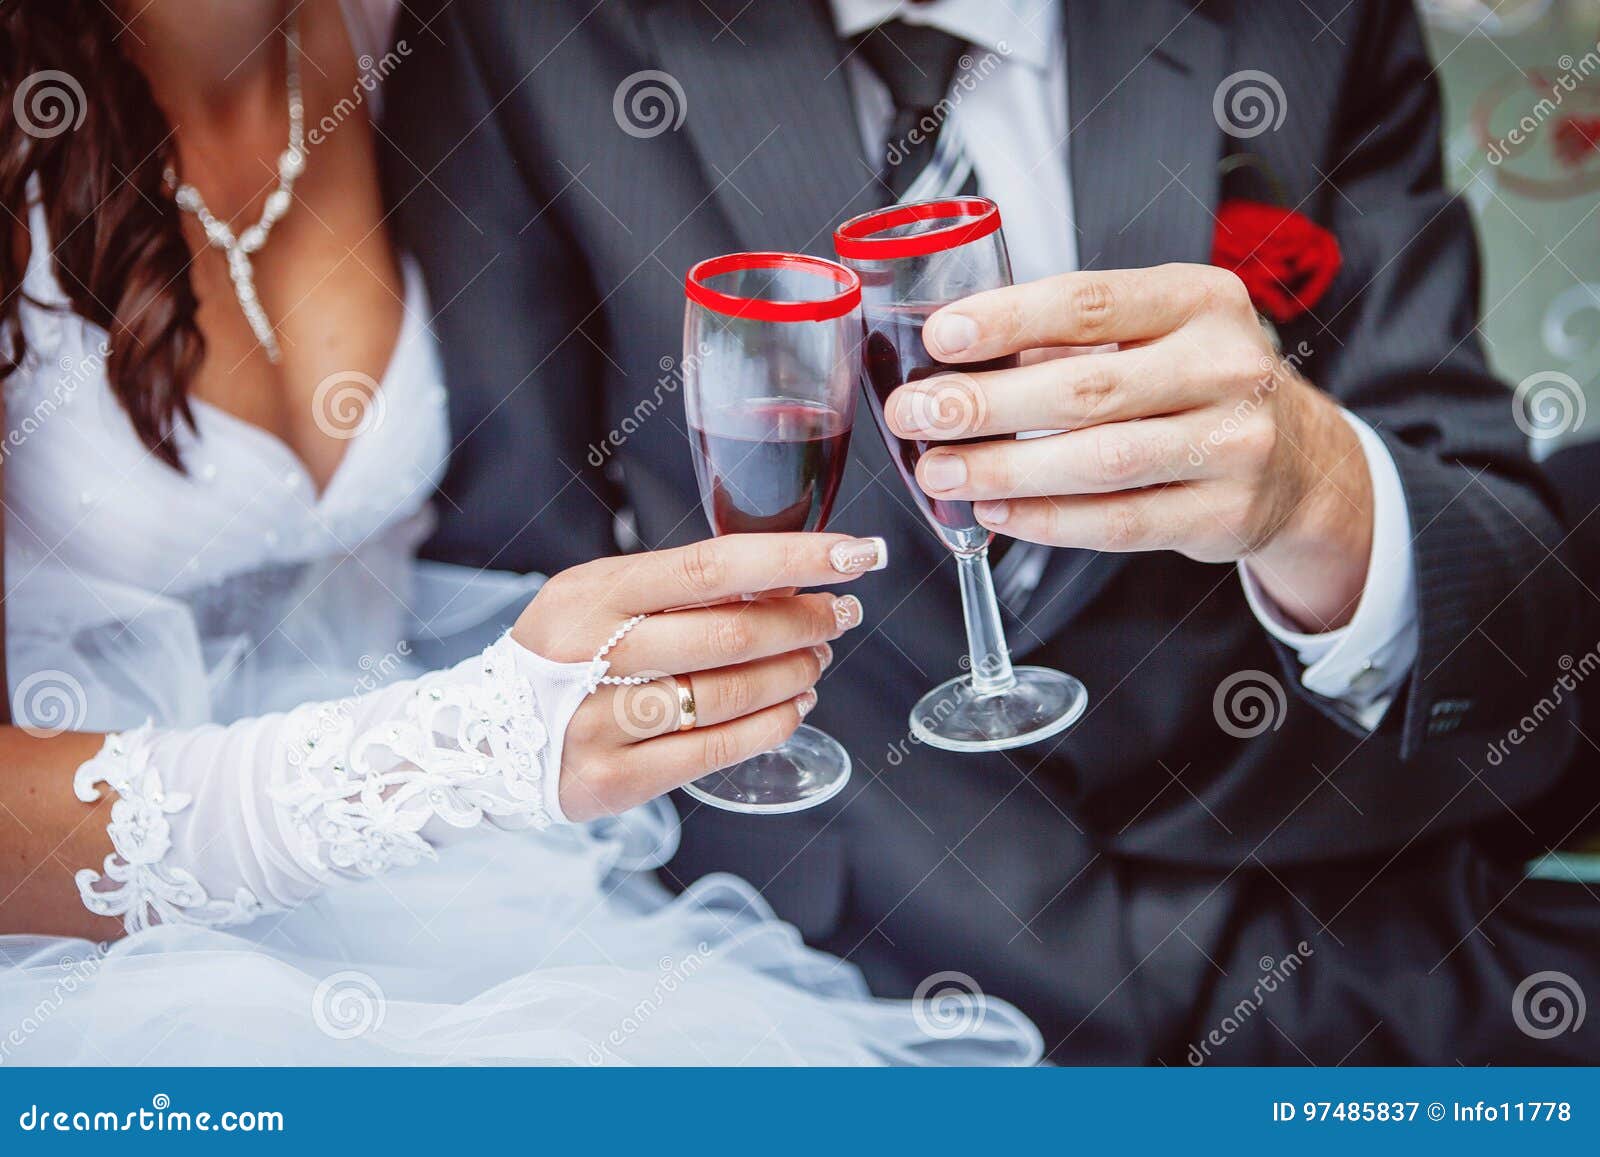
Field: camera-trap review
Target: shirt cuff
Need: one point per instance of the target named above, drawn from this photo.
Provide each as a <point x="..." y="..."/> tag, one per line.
<point x="1363" y="663"/>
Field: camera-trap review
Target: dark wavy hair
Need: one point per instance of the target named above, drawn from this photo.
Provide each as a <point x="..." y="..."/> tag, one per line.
<point x="79" y="115"/>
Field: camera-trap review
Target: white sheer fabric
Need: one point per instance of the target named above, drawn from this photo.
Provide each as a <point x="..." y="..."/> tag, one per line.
<point x="199" y="600"/>
<point x="347" y="788"/>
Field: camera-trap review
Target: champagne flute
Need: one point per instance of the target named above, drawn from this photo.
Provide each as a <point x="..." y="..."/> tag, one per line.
<point x="914" y="259"/>
<point x="772" y="351"/>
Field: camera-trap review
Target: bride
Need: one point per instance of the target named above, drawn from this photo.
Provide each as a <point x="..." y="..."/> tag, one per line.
<point x="274" y="790"/>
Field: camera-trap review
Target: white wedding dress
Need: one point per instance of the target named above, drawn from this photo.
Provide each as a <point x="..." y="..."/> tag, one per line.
<point x="135" y="593"/>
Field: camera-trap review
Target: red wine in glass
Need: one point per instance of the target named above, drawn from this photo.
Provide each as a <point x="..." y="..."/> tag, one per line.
<point x="894" y="354"/>
<point x="772" y="357"/>
<point x="912" y="258"/>
<point x="770" y="465"/>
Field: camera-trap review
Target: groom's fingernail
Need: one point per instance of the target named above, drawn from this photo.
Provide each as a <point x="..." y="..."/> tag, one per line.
<point x="858" y="555"/>
<point x="992" y="513"/>
<point x="943" y="471"/>
<point x="949" y="333"/>
<point x="909" y="411"/>
<point x="847" y="612"/>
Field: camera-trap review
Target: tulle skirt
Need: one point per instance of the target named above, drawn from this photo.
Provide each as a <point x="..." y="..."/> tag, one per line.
<point x="558" y="947"/>
<point x="513" y="948"/>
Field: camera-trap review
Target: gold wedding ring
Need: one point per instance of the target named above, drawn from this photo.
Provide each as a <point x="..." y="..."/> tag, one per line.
<point x="686" y="715"/>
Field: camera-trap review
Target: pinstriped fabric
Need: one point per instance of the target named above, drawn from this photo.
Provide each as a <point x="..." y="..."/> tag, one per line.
<point x="774" y="131"/>
<point x="1140" y="80"/>
<point x="923" y="153"/>
<point x="768" y="156"/>
<point x="1105" y="830"/>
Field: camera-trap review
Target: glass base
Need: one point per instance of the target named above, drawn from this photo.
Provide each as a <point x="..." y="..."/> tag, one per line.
<point x="810" y="768"/>
<point x="1041" y="703"/>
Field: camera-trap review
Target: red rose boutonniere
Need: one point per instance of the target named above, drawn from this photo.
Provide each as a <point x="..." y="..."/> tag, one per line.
<point x="1576" y="140"/>
<point x="1285" y="259"/>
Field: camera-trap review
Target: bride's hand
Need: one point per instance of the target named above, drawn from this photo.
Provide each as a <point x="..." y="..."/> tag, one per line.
<point x="750" y="665"/>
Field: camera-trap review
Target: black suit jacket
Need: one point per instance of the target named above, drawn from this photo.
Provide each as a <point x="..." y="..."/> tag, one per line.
<point x="555" y="246"/>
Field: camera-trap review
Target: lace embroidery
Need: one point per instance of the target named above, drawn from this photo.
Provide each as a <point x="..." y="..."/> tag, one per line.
<point x="149" y="891"/>
<point x="356" y="798"/>
<point x="464" y="750"/>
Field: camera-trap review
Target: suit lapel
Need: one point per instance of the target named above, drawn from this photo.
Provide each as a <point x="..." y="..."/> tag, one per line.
<point x="769" y="113"/>
<point x="1144" y="150"/>
<point x="1145" y="145"/>
<point x="770" y="117"/>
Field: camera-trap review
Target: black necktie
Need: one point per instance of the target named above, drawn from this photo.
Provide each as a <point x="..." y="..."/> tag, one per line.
<point x="922" y="160"/>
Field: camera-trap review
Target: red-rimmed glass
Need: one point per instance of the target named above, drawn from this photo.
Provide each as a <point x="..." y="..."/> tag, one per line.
<point x="913" y="260"/>
<point x="771" y="354"/>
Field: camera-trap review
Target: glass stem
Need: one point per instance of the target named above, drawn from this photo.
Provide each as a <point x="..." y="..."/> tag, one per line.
<point x="986" y="641"/>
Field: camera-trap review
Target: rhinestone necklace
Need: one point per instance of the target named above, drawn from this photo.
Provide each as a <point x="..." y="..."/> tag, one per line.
<point x="291" y="163"/>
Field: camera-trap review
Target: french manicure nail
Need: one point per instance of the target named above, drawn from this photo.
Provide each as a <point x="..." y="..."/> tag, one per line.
<point x="950" y="333"/>
<point x="804" y="702"/>
<point x="992" y="513"/>
<point x="847" y="612"/>
<point x="859" y="555"/>
<point x="943" y="471"/>
<point x="824" y="654"/>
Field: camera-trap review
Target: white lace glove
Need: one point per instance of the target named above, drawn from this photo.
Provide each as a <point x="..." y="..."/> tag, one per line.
<point x="218" y="825"/>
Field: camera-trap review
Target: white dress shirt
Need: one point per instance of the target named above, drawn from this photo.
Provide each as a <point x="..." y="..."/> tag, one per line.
<point x="1013" y="121"/>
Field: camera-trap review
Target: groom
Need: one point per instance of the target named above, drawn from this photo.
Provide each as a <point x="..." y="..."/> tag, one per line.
<point x="1138" y="881"/>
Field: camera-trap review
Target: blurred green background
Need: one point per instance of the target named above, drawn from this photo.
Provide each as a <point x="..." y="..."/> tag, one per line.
<point x="1522" y="96"/>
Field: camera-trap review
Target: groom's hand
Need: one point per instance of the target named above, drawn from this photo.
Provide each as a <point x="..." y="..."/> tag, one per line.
<point x="1188" y="434"/>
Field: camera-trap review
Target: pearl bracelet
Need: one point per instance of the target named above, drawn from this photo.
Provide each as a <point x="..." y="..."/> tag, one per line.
<point x="598" y="663"/>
